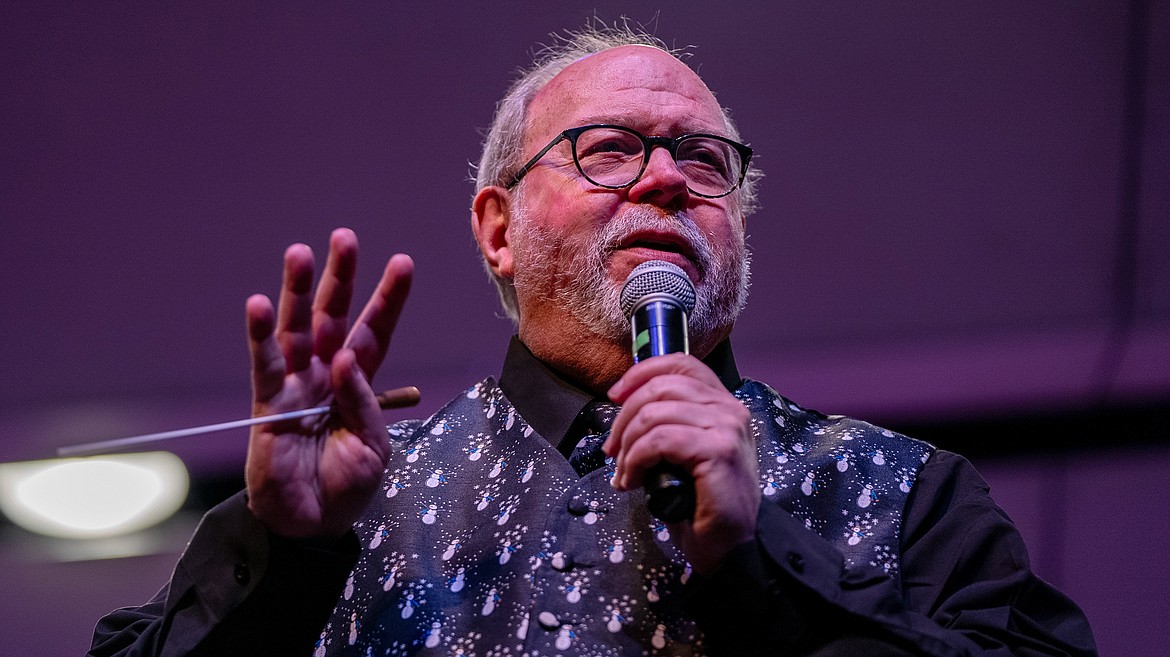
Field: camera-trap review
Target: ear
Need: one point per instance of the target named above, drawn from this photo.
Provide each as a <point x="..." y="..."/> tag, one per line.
<point x="491" y="215"/>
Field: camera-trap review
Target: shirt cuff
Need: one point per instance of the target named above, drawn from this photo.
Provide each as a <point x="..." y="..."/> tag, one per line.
<point x="237" y="584"/>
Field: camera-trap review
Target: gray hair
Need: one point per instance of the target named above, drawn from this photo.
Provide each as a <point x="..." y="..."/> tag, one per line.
<point x="503" y="146"/>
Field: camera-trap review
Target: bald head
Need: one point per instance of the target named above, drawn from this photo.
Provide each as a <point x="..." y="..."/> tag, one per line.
<point x="626" y="85"/>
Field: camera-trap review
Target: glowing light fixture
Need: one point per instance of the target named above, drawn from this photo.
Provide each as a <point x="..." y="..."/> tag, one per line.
<point x="93" y="497"/>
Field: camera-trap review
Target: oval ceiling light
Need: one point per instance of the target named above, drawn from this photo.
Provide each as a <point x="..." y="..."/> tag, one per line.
<point x="93" y="497"/>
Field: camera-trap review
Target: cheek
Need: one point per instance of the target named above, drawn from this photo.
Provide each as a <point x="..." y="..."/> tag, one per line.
<point x="572" y="214"/>
<point x="738" y="232"/>
<point x="734" y="224"/>
<point x="723" y="229"/>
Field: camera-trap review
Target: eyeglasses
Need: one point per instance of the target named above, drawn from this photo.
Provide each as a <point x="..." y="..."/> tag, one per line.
<point x="614" y="157"/>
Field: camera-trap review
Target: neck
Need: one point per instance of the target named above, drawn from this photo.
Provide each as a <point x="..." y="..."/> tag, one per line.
<point x="590" y="361"/>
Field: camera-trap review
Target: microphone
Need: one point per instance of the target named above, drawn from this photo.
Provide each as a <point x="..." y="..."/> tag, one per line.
<point x="657" y="297"/>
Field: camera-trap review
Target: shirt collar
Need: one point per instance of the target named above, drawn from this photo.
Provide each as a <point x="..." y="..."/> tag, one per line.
<point x="550" y="403"/>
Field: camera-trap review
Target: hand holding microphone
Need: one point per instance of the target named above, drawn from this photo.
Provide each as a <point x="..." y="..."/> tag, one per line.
<point x="657" y="297"/>
<point x="677" y="416"/>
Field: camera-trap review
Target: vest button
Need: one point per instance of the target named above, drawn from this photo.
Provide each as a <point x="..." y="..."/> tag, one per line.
<point x="796" y="561"/>
<point x="242" y="573"/>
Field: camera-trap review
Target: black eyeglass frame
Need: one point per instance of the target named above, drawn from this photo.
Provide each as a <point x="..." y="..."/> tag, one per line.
<point x="671" y="145"/>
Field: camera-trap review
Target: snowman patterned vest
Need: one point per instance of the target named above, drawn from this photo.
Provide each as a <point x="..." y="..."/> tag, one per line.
<point x="485" y="542"/>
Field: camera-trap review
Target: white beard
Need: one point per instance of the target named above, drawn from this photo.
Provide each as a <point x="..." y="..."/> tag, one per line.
<point x="574" y="277"/>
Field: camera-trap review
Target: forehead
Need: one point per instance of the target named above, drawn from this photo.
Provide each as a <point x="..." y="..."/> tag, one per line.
<point x="637" y="86"/>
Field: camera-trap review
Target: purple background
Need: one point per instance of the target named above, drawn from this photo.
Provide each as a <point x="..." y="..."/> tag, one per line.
<point x="956" y="225"/>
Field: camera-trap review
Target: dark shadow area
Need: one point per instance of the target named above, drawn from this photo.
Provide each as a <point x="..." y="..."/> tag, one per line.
<point x="1036" y="432"/>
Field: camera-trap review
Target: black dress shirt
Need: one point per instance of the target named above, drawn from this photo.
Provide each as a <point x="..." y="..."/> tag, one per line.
<point x="964" y="588"/>
<point x="551" y="404"/>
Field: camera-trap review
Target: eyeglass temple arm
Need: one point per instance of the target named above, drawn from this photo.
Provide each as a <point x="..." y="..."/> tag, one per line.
<point x="535" y="158"/>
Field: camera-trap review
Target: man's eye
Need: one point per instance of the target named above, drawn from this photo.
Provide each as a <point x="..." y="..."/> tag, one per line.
<point x="708" y="158"/>
<point x="611" y="146"/>
<point x="711" y="158"/>
<point x="699" y="154"/>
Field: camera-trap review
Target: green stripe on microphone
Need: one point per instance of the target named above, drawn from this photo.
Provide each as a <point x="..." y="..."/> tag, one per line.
<point x="641" y="340"/>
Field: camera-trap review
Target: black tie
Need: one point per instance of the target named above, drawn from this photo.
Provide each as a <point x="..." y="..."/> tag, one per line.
<point x="595" y="420"/>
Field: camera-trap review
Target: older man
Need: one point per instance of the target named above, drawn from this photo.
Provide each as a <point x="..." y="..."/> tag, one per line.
<point x="505" y="524"/>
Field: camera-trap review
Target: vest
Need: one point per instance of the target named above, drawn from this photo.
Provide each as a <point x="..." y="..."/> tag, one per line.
<point x="485" y="542"/>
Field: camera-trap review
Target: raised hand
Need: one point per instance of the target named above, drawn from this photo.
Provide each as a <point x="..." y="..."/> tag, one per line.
<point x="674" y="408"/>
<point x="314" y="477"/>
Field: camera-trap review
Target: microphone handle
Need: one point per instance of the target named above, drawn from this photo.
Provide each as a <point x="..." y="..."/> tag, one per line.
<point x="670" y="492"/>
<point x="660" y="327"/>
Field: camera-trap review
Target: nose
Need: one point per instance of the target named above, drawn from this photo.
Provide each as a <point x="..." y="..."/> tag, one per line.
<point x="662" y="183"/>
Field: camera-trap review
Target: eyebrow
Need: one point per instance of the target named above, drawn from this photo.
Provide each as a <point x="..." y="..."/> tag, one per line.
<point x="680" y="129"/>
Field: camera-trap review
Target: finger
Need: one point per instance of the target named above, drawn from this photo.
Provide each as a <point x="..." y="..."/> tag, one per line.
<point x="642" y="372"/>
<point x="331" y="303"/>
<point x="678" y="444"/>
<point x="294" y="315"/>
<point x="370" y="336"/>
<point x="668" y="431"/>
<point x="357" y="404"/>
<point x="659" y="388"/>
<point x="637" y="425"/>
<point x="667" y="415"/>
<point x="267" y="360"/>
<point x="678" y="411"/>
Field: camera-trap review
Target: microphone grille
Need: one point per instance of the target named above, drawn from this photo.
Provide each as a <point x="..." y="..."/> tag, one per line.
<point x="657" y="277"/>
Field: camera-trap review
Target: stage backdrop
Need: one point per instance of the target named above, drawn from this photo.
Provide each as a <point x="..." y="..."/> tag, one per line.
<point x="964" y="217"/>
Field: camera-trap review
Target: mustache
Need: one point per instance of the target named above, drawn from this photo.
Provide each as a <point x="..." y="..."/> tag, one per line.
<point x="638" y="219"/>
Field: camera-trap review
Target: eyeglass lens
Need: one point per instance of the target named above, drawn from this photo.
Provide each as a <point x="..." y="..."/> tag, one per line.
<point x="613" y="158"/>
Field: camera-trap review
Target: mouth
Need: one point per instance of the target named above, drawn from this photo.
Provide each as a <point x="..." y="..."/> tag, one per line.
<point x="661" y="242"/>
